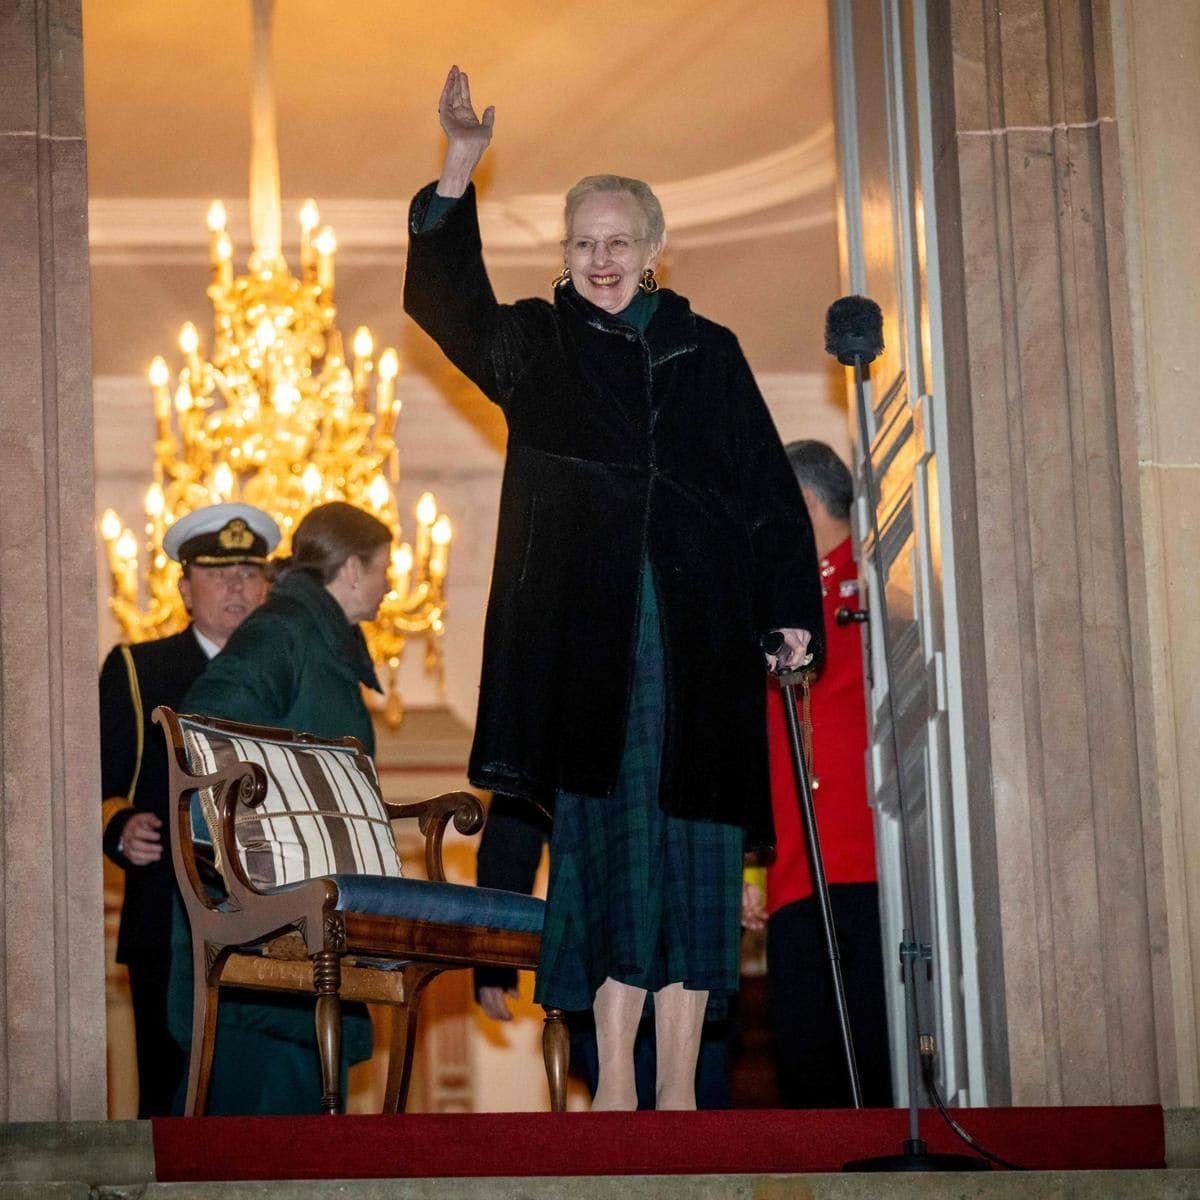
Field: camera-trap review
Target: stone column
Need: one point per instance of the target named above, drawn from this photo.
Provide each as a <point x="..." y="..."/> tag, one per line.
<point x="1041" y="384"/>
<point x="51" y="937"/>
<point x="1155" y="51"/>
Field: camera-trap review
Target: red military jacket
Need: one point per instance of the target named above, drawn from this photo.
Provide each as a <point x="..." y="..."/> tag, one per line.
<point x="839" y="716"/>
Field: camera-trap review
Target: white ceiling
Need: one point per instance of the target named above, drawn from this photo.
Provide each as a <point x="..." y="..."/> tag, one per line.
<point x="723" y="105"/>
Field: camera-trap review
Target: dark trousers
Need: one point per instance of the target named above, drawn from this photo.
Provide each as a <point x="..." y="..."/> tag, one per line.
<point x="805" y="1041"/>
<point x="160" y="1062"/>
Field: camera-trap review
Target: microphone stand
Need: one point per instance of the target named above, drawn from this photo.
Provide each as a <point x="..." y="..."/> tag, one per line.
<point x="915" y="1154"/>
<point x="788" y="681"/>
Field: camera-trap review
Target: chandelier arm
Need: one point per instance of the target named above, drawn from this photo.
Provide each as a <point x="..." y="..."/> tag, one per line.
<point x="276" y="414"/>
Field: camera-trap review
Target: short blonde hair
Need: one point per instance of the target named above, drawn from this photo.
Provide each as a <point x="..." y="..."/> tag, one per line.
<point x="647" y="201"/>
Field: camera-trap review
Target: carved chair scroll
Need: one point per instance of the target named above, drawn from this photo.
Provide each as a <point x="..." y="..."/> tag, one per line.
<point x="337" y="935"/>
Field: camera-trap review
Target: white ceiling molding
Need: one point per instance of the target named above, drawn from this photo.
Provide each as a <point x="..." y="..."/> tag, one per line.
<point x="799" y="172"/>
<point x="745" y="231"/>
<point x="166" y="230"/>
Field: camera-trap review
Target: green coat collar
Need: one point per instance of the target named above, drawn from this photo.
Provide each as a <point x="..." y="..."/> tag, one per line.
<point x="344" y="640"/>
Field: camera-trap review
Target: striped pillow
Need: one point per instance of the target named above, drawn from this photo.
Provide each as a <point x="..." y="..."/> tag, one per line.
<point x="323" y="813"/>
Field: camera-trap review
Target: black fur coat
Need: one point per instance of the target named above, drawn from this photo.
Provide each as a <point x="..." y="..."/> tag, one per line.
<point x="621" y="447"/>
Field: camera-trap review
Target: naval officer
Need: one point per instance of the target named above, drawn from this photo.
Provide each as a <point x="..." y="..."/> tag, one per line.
<point x="223" y="550"/>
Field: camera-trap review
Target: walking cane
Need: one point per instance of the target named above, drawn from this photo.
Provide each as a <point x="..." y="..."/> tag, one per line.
<point x="788" y="682"/>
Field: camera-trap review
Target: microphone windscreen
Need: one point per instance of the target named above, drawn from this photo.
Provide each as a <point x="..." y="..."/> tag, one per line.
<point x="854" y="330"/>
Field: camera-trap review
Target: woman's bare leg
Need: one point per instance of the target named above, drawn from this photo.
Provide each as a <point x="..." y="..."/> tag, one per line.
<point x="618" y="1009"/>
<point x="678" y="1024"/>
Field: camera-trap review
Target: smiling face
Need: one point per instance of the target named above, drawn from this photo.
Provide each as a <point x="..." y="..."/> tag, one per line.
<point x="607" y="249"/>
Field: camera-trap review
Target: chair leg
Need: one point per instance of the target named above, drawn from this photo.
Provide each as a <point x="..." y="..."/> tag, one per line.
<point x="327" y="983"/>
<point x="556" y="1051"/>
<point x="205" y="970"/>
<point x="404" y="1037"/>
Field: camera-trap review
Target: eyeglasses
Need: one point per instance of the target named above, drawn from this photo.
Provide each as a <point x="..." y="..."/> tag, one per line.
<point x="618" y="247"/>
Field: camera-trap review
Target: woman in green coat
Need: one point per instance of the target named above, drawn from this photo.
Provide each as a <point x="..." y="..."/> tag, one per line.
<point x="298" y="662"/>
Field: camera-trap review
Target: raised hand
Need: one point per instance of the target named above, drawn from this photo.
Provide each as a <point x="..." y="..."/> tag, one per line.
<point x="457" y="114"/>
<point x="467" y="135"/>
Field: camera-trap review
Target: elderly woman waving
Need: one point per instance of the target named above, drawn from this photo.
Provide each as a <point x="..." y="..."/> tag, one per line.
<point x="651" y="535"/>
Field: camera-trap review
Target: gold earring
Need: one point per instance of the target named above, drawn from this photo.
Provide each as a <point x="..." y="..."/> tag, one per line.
<point x="647" y="282"/>
<point x="564" y="276"/>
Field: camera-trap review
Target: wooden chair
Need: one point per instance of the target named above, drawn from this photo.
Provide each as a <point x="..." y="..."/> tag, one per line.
<point x="336" y="936"/>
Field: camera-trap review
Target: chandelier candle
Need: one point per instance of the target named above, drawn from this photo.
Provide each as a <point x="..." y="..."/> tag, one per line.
<point x="275" y="416"/>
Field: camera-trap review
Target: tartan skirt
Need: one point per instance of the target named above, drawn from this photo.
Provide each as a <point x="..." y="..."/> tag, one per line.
<point x="637" y="895"/>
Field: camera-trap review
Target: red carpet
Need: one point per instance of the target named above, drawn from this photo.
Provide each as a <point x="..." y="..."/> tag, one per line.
<point x="747" y="1141"/>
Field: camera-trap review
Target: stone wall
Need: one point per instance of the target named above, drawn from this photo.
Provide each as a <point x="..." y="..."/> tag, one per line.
<point x="1034" y="226"/>
<point x="51" y="944"/>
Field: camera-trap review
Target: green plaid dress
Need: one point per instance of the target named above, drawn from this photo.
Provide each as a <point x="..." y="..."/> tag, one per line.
<point x="634" y="894"/>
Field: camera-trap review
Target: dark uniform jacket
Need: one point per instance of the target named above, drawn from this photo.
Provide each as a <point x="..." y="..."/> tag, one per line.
<point x="133" y="774"/>
<point x="622" y="448"/>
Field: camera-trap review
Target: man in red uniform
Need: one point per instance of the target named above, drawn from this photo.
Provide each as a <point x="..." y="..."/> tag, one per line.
<point x="806" y="1045"/>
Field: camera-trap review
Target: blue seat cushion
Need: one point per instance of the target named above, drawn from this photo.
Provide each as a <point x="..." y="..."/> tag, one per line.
<point x="442" y="903"/>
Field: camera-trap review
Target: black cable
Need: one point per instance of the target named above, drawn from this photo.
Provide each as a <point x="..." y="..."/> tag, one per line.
<point x="932" y="1089"/>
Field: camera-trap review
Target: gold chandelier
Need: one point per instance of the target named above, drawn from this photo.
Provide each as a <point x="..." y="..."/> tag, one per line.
<point x="277" y="416"/>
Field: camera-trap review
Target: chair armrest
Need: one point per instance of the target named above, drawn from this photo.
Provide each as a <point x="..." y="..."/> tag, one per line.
<point x="432" y="818"/>
<point x="245" y="783"/>
<point x="242" y="781"/>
